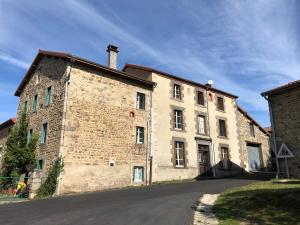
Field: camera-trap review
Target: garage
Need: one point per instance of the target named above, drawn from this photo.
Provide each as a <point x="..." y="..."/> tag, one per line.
<point x="254" y="157"/>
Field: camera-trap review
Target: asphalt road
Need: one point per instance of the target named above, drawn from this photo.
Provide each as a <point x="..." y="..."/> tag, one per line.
<point x="169" y="204"/>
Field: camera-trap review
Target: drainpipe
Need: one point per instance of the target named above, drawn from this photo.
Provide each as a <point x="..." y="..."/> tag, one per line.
<point x="61" y="149"/>
<point x="273" y="135"/>
<point x="212" y="144"/>
<point x="150" y="149"/>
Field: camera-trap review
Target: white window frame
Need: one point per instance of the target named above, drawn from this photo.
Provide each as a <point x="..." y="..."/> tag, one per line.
<point x="225" y="159"/>
<point x="177" y="91"/>
<point x="178" y="123"/>
<point x="138" y="174"/>
<point x="201" y="126"/>
<point x="138" y="100"/>
<point x="179" y="148"/>
<point x="140" y="135"/>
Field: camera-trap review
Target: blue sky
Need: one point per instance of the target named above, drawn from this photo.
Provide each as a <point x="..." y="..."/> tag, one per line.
<point x="246" y="46"/>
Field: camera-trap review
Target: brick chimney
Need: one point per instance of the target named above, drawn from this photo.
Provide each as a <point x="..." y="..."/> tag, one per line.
<point x="112" y="56"/>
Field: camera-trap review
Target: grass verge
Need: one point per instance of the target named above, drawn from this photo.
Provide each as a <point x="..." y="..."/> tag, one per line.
<point x="260" y="203"/>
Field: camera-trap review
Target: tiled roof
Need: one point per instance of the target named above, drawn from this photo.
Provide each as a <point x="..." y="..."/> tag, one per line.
<point x="149" y="69"/>
<point x="282" y="88"/>
<point x="76" y="59"/>
<point x="8" y="123"/>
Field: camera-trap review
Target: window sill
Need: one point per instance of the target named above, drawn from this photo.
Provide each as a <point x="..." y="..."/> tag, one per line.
<point x="220" y="110"/>
<point x="180" y="167"/>
<point x="223" y="137"/>
<point x="178" y="130"/>
<point x="177" y="99"/>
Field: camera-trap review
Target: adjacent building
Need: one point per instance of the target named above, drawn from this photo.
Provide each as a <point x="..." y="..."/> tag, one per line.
<point x="284" y="105"/>
<point x="5" y="128"/>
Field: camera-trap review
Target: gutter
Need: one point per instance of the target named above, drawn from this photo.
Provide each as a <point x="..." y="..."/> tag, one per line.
<point x="273" y="133"/>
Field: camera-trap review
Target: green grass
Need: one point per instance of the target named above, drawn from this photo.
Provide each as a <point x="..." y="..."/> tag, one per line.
<point x="260" y="203"/>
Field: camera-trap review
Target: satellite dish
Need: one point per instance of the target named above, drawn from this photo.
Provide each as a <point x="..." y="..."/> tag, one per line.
<point x="210" y="82"/>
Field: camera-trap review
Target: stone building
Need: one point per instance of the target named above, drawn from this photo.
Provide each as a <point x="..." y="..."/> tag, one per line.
<point x="94" y="116"/>
<point x="254" y="143"/>
<point x="284" y="105"/>
<point x="5" y="127"/>
<point x="195" y="129"/>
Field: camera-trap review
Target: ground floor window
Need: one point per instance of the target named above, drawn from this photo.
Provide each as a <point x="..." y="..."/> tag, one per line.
<point x="40" y="164"/>
<point x="138" y="174"/>
<point x="179" y="152"/>
<point x="225" y="157"/>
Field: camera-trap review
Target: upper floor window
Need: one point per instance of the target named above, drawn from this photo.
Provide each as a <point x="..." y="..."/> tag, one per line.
<point x="48" y="96"/>
<point x="38" y="76"/>
<point x="179" y="154"/>
<point x="140" y="135"/>
<point x="35" y="103"/>
<point x="44" y="133"/>
<point x="25" y="106"/>
<point x="201" y="124"/>
<point x="140" y="101"/>
<point x="178" y="119"/>
<point x="222" y="128"/>
<point x="177" y="91"/>
<point x="220" y="103"/>
<point x="200" y="98"/>
<point x="29" y="135"/>
<point x="252" y="130"/>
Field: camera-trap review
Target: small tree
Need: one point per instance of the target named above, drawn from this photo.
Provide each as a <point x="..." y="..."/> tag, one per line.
<point x="19" y="156"/>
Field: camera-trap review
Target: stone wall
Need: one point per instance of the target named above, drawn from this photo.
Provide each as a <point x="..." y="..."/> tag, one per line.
<point x="49" y="72"/>
<point x="99" y="145"/>
<point x="260" y="138"/>
<point x="285" y="109"/>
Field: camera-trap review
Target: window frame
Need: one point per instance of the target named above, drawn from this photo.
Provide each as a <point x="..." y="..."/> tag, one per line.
<point x="44" y="133"/>
<point x="40" y="166"/>
<point x="140" y="103"/>
<point x="29" y="135"/>
<point x="177" y="91"/>
<point x="224" y="160"/>
<point x="140" y="135"/>
<point x="24" y="107"/>
<point x="178" y="119"/>
<point x="222" y="108"/>
<point x="202" y="98"/>
<point x="252" y="130"/>
<point x="177" y="149"/>
<point x="48" y="96"/>
<point x="137" y="175"/>
<point x="35" y="103"/>
<point x="204" y="124"/>
<point x="220" y="130"/>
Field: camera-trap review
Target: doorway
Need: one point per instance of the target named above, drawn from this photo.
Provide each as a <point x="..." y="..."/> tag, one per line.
<point x="254" y="157"/>
<point x="203" y="159"/>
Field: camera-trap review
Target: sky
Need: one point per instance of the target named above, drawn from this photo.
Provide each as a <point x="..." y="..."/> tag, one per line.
<point x="246" y="47"/>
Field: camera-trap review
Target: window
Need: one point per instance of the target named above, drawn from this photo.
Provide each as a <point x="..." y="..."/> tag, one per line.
<point x="252" y="131"/>
<point x="138" y="174"/>
<point x="179" y="153"/>
<point x="40" y="164"/>
<point x="222" y="128"/>
<point x="44" y="133"/>
<point x="140" y="135"/>
<point x="201" y="124"/>
<point x="29" y="135"/>
<point x="35" y="103"/>
<point x="25" y="106"/>
<point x="177" y="91"/>
<point x="38" y="76"/>
<point x="178" y="119"/>
<point x="140" y="101"/>
<point x="220" y="103"/>
<point x="48" y="96"/>
<point x="225" y="157"/>
<point x="200" y="98"/>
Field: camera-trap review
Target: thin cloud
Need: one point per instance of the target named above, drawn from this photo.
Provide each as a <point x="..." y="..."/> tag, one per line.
<point x="14" y="61"/>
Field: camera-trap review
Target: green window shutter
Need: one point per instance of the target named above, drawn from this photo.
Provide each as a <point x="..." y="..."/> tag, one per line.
<point x="35" y="103"/>
<point x="48" y="96"/>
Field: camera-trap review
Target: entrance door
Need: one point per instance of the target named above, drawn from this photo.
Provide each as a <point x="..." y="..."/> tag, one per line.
<point x="204" y="161"/>
<point x="254" y="157"/>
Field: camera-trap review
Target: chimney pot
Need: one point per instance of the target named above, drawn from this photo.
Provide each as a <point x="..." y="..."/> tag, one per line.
<point x="112" y="56"/>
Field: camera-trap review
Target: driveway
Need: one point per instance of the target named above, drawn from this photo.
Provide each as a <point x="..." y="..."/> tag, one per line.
<point x="168" y="204"/>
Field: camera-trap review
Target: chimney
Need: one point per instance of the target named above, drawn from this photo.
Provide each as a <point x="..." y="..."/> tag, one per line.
<point x="112" y="56"/>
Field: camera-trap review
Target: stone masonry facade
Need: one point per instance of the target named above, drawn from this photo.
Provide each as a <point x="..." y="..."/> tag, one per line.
<point x="285" y="108"/>
<point x="261" y="138"/>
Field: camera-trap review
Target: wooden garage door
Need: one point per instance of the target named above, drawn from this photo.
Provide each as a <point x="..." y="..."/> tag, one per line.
<point x="254" y="160"/>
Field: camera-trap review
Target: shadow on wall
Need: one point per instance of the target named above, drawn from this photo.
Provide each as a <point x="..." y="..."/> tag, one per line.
<point x="227" y="169"/>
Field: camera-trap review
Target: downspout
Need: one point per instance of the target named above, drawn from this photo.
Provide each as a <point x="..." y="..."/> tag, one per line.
<point x="212" y="144"/>
<point x="61" y="149"/>
<point x="273" y="135"/>
<point x="150" y="150"/>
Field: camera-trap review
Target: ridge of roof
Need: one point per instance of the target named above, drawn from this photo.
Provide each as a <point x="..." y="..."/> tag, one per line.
<point x="41" y="53"/>
<point x="281" y="88"/>
<point x="245" y="113"/>
<point x="149" y="69"/>
<point x="8" y="123"/>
